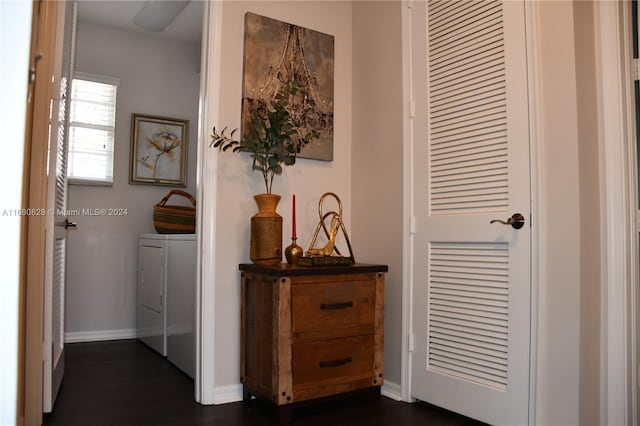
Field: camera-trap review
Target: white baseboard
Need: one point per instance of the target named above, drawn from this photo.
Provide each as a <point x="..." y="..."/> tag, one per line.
<point x="391" y="390"/>
<point x="99" y="335"/>
<point x="227" y="394"/>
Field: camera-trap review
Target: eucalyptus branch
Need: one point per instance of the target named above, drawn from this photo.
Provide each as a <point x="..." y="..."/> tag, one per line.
<point x="273" y="137"/>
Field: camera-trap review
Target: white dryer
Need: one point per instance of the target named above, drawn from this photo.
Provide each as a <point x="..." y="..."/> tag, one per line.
<point x="165" y="314"/>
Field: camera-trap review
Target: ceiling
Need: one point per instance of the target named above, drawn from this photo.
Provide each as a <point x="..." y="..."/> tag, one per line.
<point x="187" y="26"/>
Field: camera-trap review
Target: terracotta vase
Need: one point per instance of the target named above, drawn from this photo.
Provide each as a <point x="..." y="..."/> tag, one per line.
<point x="266" y="231"/>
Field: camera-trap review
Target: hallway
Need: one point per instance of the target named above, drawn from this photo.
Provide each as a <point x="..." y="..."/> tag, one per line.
<point x="125" y="383"/>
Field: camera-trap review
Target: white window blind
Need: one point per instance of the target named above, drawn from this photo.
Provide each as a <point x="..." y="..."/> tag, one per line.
<point x="91" y="129"/>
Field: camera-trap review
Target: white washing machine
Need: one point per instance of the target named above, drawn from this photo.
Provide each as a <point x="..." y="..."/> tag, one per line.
<point x="165" y="314"/>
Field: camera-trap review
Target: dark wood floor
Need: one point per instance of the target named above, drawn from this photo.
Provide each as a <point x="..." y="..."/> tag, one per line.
<point x="124" y="383"/>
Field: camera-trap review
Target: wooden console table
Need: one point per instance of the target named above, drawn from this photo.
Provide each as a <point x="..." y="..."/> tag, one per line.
<point x="311" y="332"/>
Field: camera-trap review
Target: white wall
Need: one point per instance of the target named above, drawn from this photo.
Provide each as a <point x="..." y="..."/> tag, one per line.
<point x="15" y="38"/>
<point x="558" y="390"/>
<point x="377" y="152"/>
<point x="308" y="179"/>
<point x="157" y="77"/>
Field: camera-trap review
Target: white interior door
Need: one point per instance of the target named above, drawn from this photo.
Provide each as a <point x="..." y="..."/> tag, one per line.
<point x="57" y="222"/>
<point x="471" y="290"/>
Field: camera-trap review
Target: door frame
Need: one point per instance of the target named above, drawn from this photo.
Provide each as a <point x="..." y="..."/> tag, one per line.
<point x="206" y="189"/>
<point x="408" y="204"/>
<point x="619" y="232"/>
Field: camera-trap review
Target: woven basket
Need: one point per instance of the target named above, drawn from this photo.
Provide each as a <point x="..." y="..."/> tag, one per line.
<point x="175" y="219"/>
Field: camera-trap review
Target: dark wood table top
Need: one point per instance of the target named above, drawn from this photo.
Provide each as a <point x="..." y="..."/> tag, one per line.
<point x="287" y="270"/>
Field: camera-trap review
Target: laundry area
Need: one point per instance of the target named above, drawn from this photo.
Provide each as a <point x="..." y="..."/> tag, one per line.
<point x="127" y="276"/>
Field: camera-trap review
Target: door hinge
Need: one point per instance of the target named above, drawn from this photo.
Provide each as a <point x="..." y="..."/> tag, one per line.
<point x="412" y="342"/>
<point x="412" y="109"/>
<point x="635" y="69"/>
<point x="412" y="225"/>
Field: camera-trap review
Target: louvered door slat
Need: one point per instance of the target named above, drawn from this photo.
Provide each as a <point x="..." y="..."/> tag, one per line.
<point x="471" y="170"/>
<point x="459" y="126"/>
<point x="459" y="251"/>
<point x="481" y="41"/>
<point x="473" y="282"/>
<point x="451" y="332"/>
<point x="458" y="159"/>
<point x="472" y="346"/>
<point x="480" y="272"/>
<point x="452" y="180"/>
<point x="476" y="184"/>
<point x="481" y="86"/>
<point x="483" y="329"/>
<point x="442" y="10"/>
<point x="489" y="367"/>
<point x="471" y="262"/>
<point x="448" y="41"/>
<point x="479" y="309"/>
<point x="460" y="148"/>
<point x="450" y="118"/>
<point x="451" y="23"/>
<point x="493" y="166"/>
<point x="490" y="292"/>
<point x="460" y="354"/>
<point x="439" y="7"/>
<point x="485" y="319"/>
<point x="496" y="353"/>
<point x="448" y="17"/>
<point x="468" y="65"/>
<point x="484" y="69"/>
<point x="485" y="132"/>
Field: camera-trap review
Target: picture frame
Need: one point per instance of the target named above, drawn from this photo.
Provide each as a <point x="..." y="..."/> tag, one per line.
<point x="159" y="147"/>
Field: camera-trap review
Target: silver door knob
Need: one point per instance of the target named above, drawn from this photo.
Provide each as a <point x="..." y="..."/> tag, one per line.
<point x="516" y="220"/>
<point x="68" y="224"/>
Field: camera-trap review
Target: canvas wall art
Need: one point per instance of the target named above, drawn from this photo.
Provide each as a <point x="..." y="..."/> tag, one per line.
<point x="276" y="54"/>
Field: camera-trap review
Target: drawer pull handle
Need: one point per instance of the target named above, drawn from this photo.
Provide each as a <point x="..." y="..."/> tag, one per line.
<point x="336" y="362"/>
<point x="328" y="306"/>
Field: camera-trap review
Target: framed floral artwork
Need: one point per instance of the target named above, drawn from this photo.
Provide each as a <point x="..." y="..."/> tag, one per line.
<point x="158" y="150"/>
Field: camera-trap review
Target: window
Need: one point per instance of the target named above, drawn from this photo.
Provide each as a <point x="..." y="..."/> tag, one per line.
<point x="91" y="129"/>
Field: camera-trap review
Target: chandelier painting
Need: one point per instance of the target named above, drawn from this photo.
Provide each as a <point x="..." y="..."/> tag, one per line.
<point x="277" y="54"/>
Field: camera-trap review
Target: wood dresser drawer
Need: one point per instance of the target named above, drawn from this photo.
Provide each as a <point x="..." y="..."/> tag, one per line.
<point x="332" y="362"/>
<point x="333" y="309"/>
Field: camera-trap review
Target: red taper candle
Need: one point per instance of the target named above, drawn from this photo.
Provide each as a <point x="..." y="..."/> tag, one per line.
<point x="293" y="232"/>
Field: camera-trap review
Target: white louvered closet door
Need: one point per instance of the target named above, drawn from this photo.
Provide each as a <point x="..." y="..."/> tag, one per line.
<point x="471" y="288"/>
<point x="56" y="230"/>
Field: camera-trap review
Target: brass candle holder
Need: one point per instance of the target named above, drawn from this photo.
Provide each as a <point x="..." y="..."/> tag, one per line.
<point x="293" y="252"/>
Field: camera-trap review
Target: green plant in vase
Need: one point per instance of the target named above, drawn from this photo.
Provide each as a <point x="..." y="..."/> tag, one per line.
<point x="274" y="138"/>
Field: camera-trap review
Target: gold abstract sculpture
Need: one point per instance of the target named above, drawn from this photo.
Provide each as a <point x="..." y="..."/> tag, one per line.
<point x="336" y="225"/>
